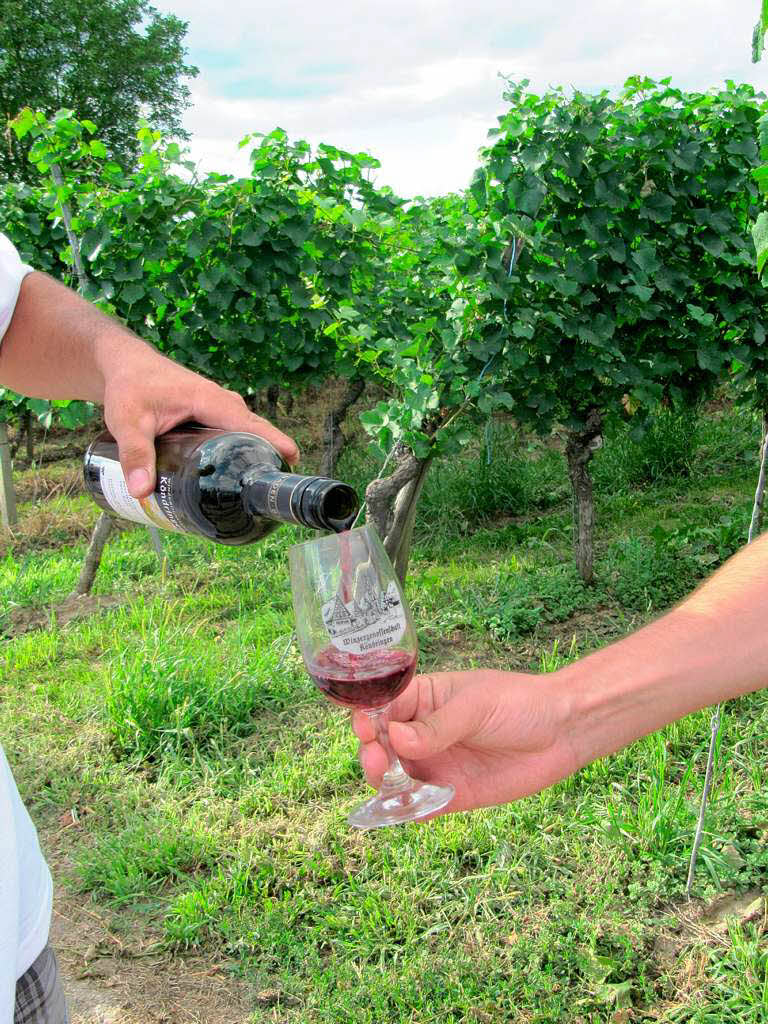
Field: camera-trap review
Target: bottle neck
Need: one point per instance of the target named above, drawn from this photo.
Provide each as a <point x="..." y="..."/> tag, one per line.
<point x="313" y="501"/>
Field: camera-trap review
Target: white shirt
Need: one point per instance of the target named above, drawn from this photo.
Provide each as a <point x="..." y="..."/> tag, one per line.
<point x="26" y="889"/>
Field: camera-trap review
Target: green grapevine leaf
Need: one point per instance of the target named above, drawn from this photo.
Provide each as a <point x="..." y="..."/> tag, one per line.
<point x="760" y="238"/>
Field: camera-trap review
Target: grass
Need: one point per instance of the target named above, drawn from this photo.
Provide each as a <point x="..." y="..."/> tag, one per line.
<point x="211" y="781"/>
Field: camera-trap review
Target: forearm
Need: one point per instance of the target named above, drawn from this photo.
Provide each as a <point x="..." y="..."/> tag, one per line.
<point x="710" y="648"/>
<point x="58" y="345"/>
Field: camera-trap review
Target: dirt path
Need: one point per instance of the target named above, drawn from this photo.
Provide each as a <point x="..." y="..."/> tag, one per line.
<point x="115" y="971"/>
<point x="109" y="979"/>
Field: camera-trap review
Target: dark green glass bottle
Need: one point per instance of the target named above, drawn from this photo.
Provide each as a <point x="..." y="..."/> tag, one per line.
<point x="233" y="488"/>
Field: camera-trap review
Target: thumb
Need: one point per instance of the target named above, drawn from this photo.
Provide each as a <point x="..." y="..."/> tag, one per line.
<point x="452" y="723"/>
<point x="136" y="448"/>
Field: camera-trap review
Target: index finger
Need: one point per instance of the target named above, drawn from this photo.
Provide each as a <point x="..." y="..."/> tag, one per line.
<point x="227" y="410"/>
<point x="423" y="695"/>
<point x="284" y="444"/>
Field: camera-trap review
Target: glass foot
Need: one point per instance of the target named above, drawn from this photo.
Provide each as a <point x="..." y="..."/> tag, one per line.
<point x="402" y="806"/>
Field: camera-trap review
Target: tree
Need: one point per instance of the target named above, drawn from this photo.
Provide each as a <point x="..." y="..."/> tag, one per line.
<point x="635" y="285"/>
<point x="111" y="61"/>
<point x="415" y="333"/>
<point x="637" y="280"/>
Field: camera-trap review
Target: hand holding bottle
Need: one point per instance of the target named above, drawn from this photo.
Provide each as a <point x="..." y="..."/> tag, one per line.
<point x="230" y="486"/>
<point x="57" y="345"/>
<point x="145" y="395"/>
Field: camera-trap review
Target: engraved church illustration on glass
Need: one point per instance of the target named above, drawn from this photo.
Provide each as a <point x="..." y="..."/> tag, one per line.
<point x="369" y="605"/>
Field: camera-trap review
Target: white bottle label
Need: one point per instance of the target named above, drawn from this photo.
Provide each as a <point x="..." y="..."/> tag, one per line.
<point x="371" y="620"/>
<point x="115" y="491"/>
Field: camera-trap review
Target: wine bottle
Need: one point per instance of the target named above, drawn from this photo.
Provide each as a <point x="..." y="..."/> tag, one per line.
<point x="231" y="487"/>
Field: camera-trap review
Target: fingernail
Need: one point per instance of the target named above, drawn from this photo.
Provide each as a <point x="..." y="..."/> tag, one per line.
<point x="138" y="481"/>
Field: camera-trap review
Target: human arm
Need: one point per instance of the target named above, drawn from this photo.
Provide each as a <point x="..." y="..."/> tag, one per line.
<point x="57" y="345"/>
<point x="498" y="736"/>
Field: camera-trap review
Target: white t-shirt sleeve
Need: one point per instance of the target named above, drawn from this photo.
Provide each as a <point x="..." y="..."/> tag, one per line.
<point x="12" y="273"/>
<point x="26" y="892"/>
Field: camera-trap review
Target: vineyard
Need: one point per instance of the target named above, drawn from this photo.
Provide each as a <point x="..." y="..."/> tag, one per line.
<point x="551" y="389"/>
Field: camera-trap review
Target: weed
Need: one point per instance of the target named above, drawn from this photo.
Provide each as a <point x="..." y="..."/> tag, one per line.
<point x="734" y="980"/>
<point x="665" y="449"/>
<point x="180" y="688"/>
<point x="130" y="865"/>
<point x="648" y="576"/>
<point x="551" y="661"/>
<point x="527" y="599"/>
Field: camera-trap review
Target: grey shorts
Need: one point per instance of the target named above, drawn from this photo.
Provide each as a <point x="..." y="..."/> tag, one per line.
<point x="39" y="995"/>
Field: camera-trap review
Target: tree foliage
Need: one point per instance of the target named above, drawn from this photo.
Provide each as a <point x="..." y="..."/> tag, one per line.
<point x="635" y="278"/>
<point x="111" y="61"/>
<point x="599" y="265"/>
<point x="760" y="228"/>
<point x="634" y="286"/>
<point x="242" y="279"/>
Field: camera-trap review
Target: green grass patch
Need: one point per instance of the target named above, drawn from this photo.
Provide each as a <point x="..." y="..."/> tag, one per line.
<point x="212" y="781"/>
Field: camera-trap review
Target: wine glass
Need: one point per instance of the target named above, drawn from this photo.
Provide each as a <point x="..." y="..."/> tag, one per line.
<point x="359" y="646"/>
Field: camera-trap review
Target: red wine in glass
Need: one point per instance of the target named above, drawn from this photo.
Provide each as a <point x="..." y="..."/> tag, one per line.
<point x="360" y="648"/>
<point x="364" y="681"/>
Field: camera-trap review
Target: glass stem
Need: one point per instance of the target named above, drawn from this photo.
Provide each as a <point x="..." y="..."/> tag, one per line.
<point x="395" y="778"/>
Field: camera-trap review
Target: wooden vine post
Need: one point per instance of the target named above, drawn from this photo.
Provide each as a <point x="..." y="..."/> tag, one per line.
<point x="715" y="721"/>
<point x="757" y="509"/>
<point x="7" y="494"/>
<point x="105" y="523"/>
<point x="761" y="244"/>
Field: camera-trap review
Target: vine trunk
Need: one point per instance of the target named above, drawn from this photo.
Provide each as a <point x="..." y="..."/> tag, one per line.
<point x="335" y="438"/>
<point x="99" y="538"/>
<point x="580" y="447"/>
<point x="392" y="503"/>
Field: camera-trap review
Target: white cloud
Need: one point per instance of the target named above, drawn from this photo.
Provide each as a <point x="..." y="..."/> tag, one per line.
<point x="416" y="82"/>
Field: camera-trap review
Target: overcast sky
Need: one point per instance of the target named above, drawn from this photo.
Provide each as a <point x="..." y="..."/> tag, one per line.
<point x="416" y="82"/>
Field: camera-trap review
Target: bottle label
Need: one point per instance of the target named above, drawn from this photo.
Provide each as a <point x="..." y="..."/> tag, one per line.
<point x="373" y="619"/>
<point x="150" y="511"/>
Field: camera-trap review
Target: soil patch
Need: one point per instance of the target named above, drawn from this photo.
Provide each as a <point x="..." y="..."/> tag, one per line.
<point x="707" y="924"/>
<point x="114" y="969"/>
<point x="25" y="619"/>
<point x="110" y="979"/>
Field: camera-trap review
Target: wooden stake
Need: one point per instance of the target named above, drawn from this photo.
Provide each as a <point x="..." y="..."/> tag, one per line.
<point x="754" y="529"/>
<point x="7" y="494"/>
<point x="99" y="538"/>
<point x="757" y="508"/>
<point x="103" y="529"/>
<point x="157" y="544"/>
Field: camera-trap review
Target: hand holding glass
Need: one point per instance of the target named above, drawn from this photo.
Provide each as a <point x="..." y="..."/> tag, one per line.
<point x="359" y="646"/>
